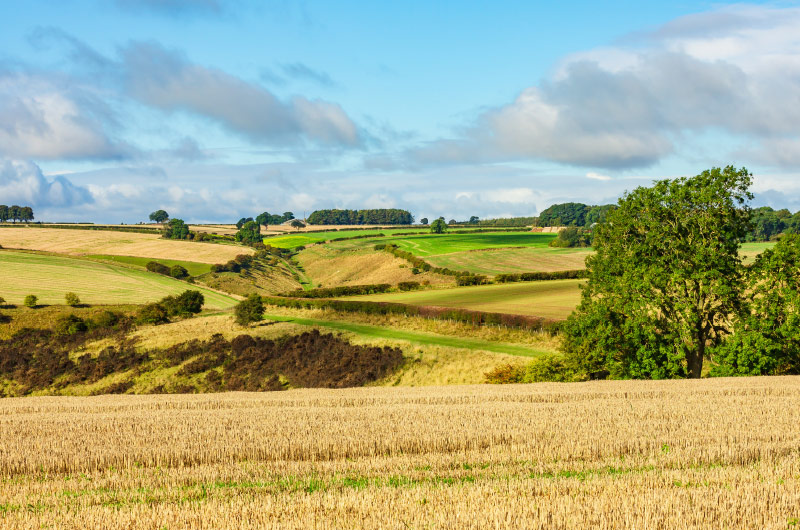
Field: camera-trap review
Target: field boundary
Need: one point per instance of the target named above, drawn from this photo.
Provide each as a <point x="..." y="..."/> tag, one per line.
<point x="412" y="336"/>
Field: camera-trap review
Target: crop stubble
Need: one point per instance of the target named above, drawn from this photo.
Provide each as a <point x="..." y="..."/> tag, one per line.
<point x="671" y="454"/>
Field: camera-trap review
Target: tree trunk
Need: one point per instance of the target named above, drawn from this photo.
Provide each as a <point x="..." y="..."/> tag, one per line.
<point x="694" y="359"/>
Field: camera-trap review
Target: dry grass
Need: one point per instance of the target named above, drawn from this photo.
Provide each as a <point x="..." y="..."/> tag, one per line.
<point x="513" y="260"/>
<point x="672" y="454"/>
<point x="330" y="268"/>
<point x="88" y="242"/>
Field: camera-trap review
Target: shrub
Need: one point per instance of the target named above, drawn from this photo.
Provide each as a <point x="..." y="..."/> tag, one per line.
<point x="505" y="374"/>
<point x="152" y="314"/>
<point x="106" y="319"/>
<point x="185" y="304"/>
<point x="249" y="310"/>
<point x="30" y="301"/>
<point x="177" y="271"/>
<point x="159" y="268"/>
<point x="72" y="299"/>
<point x="551" y="367"/>
<point x="408" y="286"/>
<point x="70" y="325"/>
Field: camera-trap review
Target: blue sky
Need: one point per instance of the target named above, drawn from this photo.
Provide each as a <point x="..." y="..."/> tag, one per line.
<point x="218" y="109"/>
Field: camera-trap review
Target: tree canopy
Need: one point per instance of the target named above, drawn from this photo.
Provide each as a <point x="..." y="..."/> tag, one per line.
<point x="176" y="229"/>
<point x="16" y="213"/>
<point x="438" y="226"/>
<point x="267" y="218"/>
<point x="159" y="216"/>
<point x="390" y="216"/>
<point x="665" y="279"/>
<point x="249" y="233"/>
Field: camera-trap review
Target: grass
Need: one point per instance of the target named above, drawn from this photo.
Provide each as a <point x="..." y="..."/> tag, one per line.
<point x="414" y="337"/>
<point x="49" y="277"/>
<point x="749" y="251"/>
<point x="510" y="260"/>
<point x="307" y="238"/>
<point x="93" y="242"/>
<point x="605" y="454"/>
<point x="194" y="268"/>
<point x="436" y="244"/>
<point x="551" y="299"/>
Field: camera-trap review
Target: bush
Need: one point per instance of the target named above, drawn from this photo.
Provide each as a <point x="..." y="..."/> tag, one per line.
<point x="185" y="304"/>
<point x="106" y="319"/>
<point x="471" y="279"/>
<point x="70" y="325"/>
<point x="344" y="290"/>
<point x="505" y="374"/>
<point x="179" y="272"/>
<point x="249" y="310"/>
<point x="30" y="301"/>
<point x="408" y="286"/>
<point x="152" y="314"/>
<point x="159" y="268"/>
<point x="72" y="299"/>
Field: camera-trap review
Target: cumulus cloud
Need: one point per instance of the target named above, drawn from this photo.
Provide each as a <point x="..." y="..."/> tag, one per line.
<point x="40" y="118"/>
<point x="23" y="183"/>
<point x="631" y="106"/>
<point x="167" y="80"/>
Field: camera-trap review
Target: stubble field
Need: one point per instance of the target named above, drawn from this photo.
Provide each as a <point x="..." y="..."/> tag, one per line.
<point x="89" y="242"/>
<point x="720" y="453"/>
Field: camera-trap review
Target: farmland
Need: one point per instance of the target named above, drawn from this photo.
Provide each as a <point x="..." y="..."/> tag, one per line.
<point x="94" y="242"/>
<point x="552" y="299"/>
<point x="604" y="454"/>
<point x="49" y="277"/>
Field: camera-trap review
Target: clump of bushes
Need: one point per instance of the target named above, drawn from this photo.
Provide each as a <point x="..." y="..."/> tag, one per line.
<point x="30" y="301"/>
<point x="237" y="264"/>
<point x="72" y="299"/>
<point x="572" y="237"/>
<point x="547" y="368"/>
<point x="471" y="279"/>
<point x="185" y="304"/>
<point x="249" y="310"/>
<point x="408" y="286"/>
<point x="344" y="290"/>
<point x="178" y="271"/>
<point x="158" y="268"/>
<point x="537" y="276"/>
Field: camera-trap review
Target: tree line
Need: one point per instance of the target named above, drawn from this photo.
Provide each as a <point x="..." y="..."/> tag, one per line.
<point x="383" y="216"/>
<point x="16" y="213"/>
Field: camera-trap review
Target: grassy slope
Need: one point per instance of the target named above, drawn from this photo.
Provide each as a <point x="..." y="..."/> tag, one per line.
<point x="412" y="336"/>
<point x="194" y="268"/>
<point x="551" y="299"/>
<point x="331" y="267"/>
<point x="49" y="277"/>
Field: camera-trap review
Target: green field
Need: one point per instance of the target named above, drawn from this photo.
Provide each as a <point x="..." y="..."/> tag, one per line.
<point x="512" y="260"/>
<point x="551" y="299"/>
<point x="50" y="277"/>
<point x="436" y="244"/>
<point x="194" y="268"/>
<point x="308" y="238"/>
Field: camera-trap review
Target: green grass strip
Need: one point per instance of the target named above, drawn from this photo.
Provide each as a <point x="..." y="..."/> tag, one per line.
<point x="412" y="336"/>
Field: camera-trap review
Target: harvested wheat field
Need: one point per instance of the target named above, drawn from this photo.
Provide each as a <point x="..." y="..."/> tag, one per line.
<point x="721" y="453"/>
<point x="89" y="242"/>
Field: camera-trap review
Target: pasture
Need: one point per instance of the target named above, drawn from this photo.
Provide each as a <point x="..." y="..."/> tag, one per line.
<point x="320" y="234"/>
<point x="425" y="245"/>
<point x="194" y="268"/>
<point x="554" y="299"/>
<point x="50" y="277"/>
<point x="610" y="454"/>
<point x="94" y="242"/>
<point x="511" y="260"/>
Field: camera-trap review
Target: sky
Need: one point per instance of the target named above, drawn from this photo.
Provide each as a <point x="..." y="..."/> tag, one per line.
<point x="220" y="109"/>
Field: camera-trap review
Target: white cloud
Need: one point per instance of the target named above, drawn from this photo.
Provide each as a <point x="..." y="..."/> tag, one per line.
<point x="596" y="176"/>
<point x="23" y="183"/>
<point x="633" y="105"/>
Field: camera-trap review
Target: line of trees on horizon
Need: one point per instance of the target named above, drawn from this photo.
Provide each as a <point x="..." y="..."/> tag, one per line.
<point x="16" y="213"/>
<point x="381" y="216"/>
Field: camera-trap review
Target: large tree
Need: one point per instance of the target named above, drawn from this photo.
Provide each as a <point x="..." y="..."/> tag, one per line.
<point x="159" y="216"/>
<point x="4" y="213"/>
<point x="438" y="226"/>
<point x="666" y="278"/>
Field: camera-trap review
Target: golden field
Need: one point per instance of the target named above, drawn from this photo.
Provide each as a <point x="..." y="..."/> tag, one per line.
<point x="722" y="453"/>
<point x="83" y="242"/>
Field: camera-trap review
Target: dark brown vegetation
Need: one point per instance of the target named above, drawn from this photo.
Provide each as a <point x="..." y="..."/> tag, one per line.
<point x="40" y="359"/>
